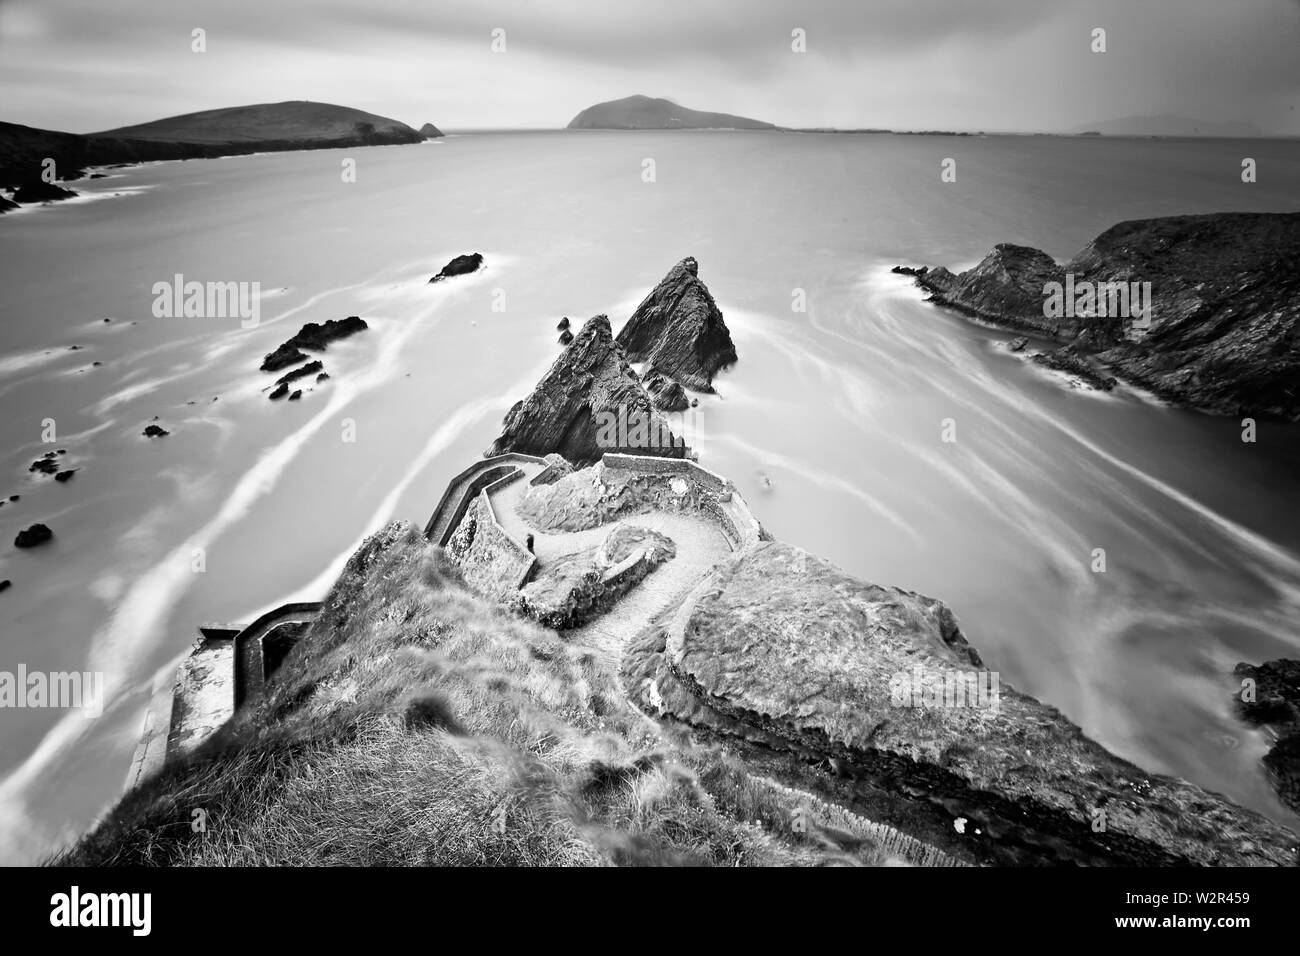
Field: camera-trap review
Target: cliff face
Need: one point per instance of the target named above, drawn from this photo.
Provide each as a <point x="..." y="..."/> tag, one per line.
<point x="1224" y="319"/>
<point x="589" y="402"/>
<point x="786" y="652"/>
<point x="679" y="330"/>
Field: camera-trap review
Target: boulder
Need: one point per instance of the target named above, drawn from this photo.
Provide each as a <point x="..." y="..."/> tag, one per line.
<point x="155" y="431"/>
<point x="782" y="653"/>
<point x="588" y="403"/>
<point x="1274" y="702"/>
<point x="679" y="330"/>
<point x="459" y="266"/>
<point x="666" y="392"/>
<point x="65" y="476"/>
<point x="31" y="537"/>
<point x="1017" y="344"/>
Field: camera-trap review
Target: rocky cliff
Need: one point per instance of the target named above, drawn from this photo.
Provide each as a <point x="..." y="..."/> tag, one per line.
<point x="678" y="329"/>
<point x="1223" y="329"/>
<point x="789" y="654"/>
<point x="589" y="402"/>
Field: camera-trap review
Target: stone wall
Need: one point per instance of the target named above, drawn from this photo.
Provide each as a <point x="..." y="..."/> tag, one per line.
<point x="492" y="561"/>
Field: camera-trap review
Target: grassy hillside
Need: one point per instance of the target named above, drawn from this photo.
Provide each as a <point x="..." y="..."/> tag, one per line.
<point x="417" y="724"/>
<point x="293" y="121"/>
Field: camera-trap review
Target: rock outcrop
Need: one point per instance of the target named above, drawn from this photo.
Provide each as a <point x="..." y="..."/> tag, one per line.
<point x="666" y="393"/>
<point x="37" y="190"/>
<point x="314" y="336"/>
<point x="588" y="403"/>
<point x="679" y="330"/>
<point x="429" y="131"/>
<point x="155" y="431"/>
<point x="459" y="266"/>
<point x="1274" y="702"/>
<point x="787" y="654"/>
<point x="572" y="590"/>
<point x="1223" y="328"/>
<point x="33" y="536"/>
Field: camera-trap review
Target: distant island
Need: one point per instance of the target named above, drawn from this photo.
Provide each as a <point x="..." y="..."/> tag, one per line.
<point x="265" y="127"/>
<point x="648" y="112"/>
<point x="1167" y="126"/>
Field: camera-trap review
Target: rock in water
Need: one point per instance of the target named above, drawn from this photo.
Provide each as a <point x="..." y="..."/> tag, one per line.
<point x="31" y="537"/>
<point x="155" y="431"/>
<point x="429" y="131"/>
<point x="589" y="402"/>
<point x="313" y="336"/>
<point x="1221" y="294"/>
<point x="666" y="393"/>
<point x="1275" y="702"/>
<point x="563" y="324"/>
<point x="461" y="265"/>
<point x="679" y="330"/>
<point x="565" y="337"/>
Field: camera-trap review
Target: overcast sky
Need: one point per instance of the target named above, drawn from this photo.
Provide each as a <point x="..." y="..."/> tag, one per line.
<point x="86" y="65"/>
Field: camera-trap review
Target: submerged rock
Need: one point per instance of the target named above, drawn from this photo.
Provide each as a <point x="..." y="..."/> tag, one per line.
<point x="37" y="190"/>
<point x="1273" y="700"/>
<point x="678" y="329"/>
<point x="1068" y="359"/>
<point x="1201" y="310"/>
<point x="787" y="656"/>
<point x="459" y="266"/>
<point x="311" y="368"/>
<point x="589" y="402"/>
<point x="33" y="536"/>
<point x="314" y="336"/>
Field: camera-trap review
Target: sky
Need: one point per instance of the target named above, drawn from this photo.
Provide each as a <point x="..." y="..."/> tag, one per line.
<point x="1013" y="65"/>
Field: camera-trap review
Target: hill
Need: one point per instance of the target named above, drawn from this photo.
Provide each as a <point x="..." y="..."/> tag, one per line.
<point x="266" y="127"/>
<point x="646" y="112"/>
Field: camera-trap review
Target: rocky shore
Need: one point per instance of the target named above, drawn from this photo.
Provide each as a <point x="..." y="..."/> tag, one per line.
<point x="1222" y="319"/>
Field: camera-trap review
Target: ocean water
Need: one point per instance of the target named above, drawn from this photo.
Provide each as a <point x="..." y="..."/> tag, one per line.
<point x="830" y="424"/>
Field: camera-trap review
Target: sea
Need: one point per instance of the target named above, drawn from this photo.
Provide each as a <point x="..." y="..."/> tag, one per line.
<point x="1106" y="553"/>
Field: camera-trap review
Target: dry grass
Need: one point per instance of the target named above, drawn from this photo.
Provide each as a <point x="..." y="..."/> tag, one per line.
<point x="417" y="724"/>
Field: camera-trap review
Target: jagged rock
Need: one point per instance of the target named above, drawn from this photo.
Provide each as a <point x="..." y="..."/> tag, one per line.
<point x="47" y="464"/>
<point x="1276" y="704"/>
<point x="563" y="324"/>
<point x="314" y="336"/>
<point x="909" y="270"/>
<point x="429" y="131"/>
<point x="322" y="377"/>
<point x="7" y="204"/>
<point x="31" y="537"/>
<point x="1017" y="344"/>
<point x="311" y="368"/>
<point x="1224" y="310"/>
<point x="576" y="588"/>
<point x="295" y="395"/>
<point x="566" y="337"/>
<point x="280" y="391"/>
<point x="65" y="476"/>
<point x="37" y="190"/>
<point x="589" y="402"/>
<point x="679" y="330"/>
<point x="1068" y="359"/>
<point x="459" y="266"/>
<point x="666" y="393"/>
<point x="784" y="653"/>
<point x="284" y="356"/>
<point x="155" y="431"/>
